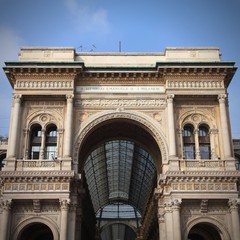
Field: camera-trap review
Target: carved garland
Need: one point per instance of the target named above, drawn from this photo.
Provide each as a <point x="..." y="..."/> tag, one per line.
<point x="147" y="123"/>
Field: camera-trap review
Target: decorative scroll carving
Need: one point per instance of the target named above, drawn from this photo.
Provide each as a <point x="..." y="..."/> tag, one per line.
<point x="204" y="206"/>
<point x="36" y="206"/>
<point x="53" y="84"/>
<point x="126" y="103"/>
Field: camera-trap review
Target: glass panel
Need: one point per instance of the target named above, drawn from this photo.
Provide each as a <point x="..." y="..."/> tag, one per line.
<point x="187" y="131"/>
<point x="50" y="153"/>
<point x="205" y="152"/>
<point x="203" y="131"/>
<point x="119" y="171"/>
<point x="35" y="152"/>
<point x="189" y="152"/>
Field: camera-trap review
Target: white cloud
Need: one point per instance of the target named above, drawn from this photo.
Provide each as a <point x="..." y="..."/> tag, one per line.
<point x="87" y="19"/>
<point x="10" y="44"/>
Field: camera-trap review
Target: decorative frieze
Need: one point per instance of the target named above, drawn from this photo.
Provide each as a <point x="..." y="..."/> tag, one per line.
<point x="196" y="84"/>
<point x="44" y="84"/>
<point x="36" y="187"/>
<point x="126" y="103"/>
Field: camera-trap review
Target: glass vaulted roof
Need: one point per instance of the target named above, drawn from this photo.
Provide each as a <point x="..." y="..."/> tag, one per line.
<point x="120" y="176"/>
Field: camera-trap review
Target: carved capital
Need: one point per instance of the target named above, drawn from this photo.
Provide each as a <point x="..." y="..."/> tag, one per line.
<point x="69" y="98"/>
<point x="6" y="204"/>
<point x="64" y="204"/>
<point x="176" y="204"/>
<point x="170" y="98"/>
<point x="222" y="98"/>
<point x="233" y="204"/>
<point x="17" y="98"/>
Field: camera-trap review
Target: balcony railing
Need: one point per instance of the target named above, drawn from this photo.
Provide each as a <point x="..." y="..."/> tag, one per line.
<point x="38" y="165"/>
<point x="213" y="165"/>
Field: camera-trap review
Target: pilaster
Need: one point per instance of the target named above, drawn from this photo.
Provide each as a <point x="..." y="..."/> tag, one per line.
<point x="64" y="206"/>
<point x="233" y="208"/>
<point x="6" y="209"/>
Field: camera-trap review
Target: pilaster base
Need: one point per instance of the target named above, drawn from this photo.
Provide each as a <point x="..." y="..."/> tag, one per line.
<point x="173" y="163"/>
<point x="230" y="164"/>
<point x="67" y="163"/>
<point x="9" y="164"/>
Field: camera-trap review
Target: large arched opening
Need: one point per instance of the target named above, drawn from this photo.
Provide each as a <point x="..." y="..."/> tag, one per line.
<point x="119" y="160"/>
<point x="204" y="231"/>
<point x="36" y="231"/>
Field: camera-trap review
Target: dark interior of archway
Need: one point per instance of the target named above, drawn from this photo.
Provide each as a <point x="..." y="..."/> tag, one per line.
<point x="120" y="173"/>
<point x="118" y="231"/>
<point x="117" y="129"/>
<point x="36" y="231"/>
<point x="204" y="231"/>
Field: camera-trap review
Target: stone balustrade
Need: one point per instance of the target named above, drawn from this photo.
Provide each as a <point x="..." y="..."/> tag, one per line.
<point x="27" y="165"/>
<point x="213" y="165"/>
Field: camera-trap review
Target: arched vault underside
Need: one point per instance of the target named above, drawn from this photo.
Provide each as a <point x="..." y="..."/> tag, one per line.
<point x="120" y="161"/>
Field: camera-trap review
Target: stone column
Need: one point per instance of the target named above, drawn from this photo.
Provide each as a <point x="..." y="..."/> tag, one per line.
<point x="225" y="127"/>
<point x="213" y="133"/>
<point x="171" y="126"/>
<point x="6" y="207"/>
<point x="13" y="135"/>
<point x="161" y="223"/>
<point x="197" y="148"/>
<point x="26" y="142"/>
<point x="64" y="205"/>
<point x="168" y="221"/>
<point x="233" y="207"/>
<point x="176" y="220"/>
<point x="72" y="221"/>
<point x="43" y="143"/>
<point x="68" y="127"/>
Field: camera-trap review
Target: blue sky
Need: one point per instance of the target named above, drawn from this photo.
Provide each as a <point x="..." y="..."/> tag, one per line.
<point x="141" y="26"/>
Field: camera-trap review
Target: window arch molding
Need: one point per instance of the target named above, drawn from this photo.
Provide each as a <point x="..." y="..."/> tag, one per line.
<point x="44" y="118"/>
<point x="47" y="149"/>
<point x="196" y="117"/>
<point x="204" y="145"/>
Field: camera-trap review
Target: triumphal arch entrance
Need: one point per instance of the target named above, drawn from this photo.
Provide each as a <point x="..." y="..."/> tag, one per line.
<point x="119" y="146"/>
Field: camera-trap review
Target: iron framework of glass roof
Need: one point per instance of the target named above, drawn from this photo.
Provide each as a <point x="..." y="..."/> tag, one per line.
<point x="120" y="175"/>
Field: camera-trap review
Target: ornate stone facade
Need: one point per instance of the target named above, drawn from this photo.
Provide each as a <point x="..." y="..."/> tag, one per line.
<point x="173" y="104"/>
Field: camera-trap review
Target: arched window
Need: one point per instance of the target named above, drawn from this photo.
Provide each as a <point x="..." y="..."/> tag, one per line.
<point x="204" y="142"/>
<point x="51" y="142"/>
<point x="35" y="141"/>
<point x="188" y="142"/>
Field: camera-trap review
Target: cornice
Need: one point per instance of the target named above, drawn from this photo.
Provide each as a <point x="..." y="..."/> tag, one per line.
<point x="36" y="174"/>
<point x="198" y="176"/>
